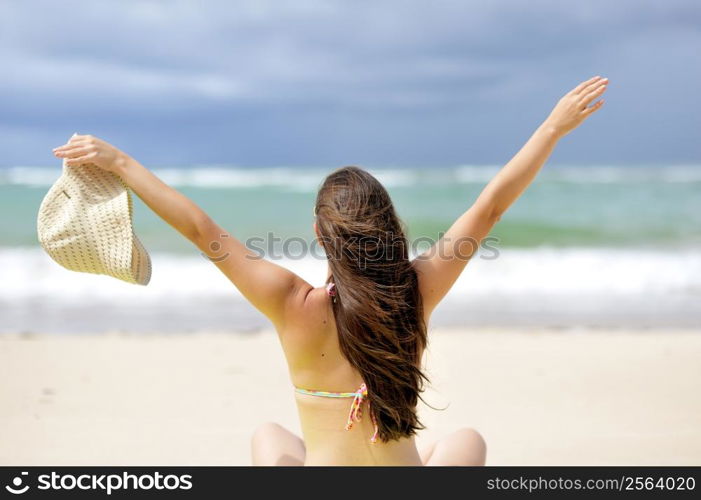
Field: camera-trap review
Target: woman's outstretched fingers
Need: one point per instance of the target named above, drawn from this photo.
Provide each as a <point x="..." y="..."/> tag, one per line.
<point x="70" y="145"/>
<point x="89" y="149"/>
<point x="593" y="93"/>
<point x="592" y="86"/>
<point x="79" y="160"/>
<point x="571" y="109"/>
<point x="594" y="107"/>
<point x="72" y="152"/>
<point x="579" y="88"/>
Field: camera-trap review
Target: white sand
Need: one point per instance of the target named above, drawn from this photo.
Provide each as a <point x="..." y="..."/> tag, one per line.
<point x="553" y="398"/>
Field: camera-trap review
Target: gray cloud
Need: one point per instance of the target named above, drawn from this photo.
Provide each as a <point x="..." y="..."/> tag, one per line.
<point x="271" y="82"/>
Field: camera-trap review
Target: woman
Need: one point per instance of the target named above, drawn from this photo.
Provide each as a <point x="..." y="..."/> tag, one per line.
<point x="354" y="347"/>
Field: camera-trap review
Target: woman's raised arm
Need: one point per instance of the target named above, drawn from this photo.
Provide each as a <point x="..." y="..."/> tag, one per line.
<point x="440" y="266"/>
<point x="269" y="287"/>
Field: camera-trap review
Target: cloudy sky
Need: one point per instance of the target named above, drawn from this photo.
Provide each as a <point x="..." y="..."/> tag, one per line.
<point x="325" y="83"/>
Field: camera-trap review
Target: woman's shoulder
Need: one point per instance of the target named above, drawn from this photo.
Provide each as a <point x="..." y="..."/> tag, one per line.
<point x="310" y="317"/>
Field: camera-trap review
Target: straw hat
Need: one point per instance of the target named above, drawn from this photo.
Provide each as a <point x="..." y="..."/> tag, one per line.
<point x="85" y="224"/>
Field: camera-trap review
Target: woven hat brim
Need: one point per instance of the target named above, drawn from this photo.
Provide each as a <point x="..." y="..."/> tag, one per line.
<point x="85" y="225"/>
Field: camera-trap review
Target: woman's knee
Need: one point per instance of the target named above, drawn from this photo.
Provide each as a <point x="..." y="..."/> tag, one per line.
<point x="473" y="444"/>
<point x="272" y="444"/>
<point x="464" y="447"/>
<point x="265" y="432"/>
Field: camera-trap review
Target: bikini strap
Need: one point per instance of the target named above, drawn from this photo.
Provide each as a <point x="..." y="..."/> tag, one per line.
<point x="356" y="411"/>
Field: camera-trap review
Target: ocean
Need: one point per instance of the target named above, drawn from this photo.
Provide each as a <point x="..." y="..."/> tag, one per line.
<point x="591" y="246"/>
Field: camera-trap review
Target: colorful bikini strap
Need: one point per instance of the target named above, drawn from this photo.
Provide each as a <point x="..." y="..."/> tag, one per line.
<point x="356" y="411"/>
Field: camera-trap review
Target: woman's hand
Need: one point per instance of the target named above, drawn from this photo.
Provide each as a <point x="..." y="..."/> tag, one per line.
<point x="573" y="108"/>
<point x="89" y="149"/>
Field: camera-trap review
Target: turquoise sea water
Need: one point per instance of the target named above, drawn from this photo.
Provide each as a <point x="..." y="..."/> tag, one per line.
<point x="565" y="207"/>
<point x="584" y="245"/>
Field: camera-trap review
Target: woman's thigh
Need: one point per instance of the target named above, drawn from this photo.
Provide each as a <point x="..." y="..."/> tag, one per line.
<point x="463" y="447"/>
<point x="272" y="444"/>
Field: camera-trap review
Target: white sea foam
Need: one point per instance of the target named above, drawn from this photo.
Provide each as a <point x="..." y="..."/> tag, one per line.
<point x="469" y="174"/>
<point x="29" y="176"/>
<point x="28" y="273"/>
<point x="297" y="179"/>
<point x="574" y="286"/>
<point x="308" y="179"/>
<point x="623" y="175"/>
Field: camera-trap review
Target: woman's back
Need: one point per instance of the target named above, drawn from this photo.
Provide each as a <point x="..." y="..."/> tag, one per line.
<point x="317" y="364"/>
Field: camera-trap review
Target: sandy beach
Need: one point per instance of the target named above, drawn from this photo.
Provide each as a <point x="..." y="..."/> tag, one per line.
<point x="593" y="397"/>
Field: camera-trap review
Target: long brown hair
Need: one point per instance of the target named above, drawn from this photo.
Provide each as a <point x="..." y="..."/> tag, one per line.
<point x="377" y="306"/>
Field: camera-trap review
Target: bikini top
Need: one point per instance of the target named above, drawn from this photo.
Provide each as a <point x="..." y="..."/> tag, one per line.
<point x="356" y="410"/>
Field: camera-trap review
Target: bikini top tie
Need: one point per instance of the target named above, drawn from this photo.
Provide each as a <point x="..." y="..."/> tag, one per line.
<point x="356" y="409"/>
